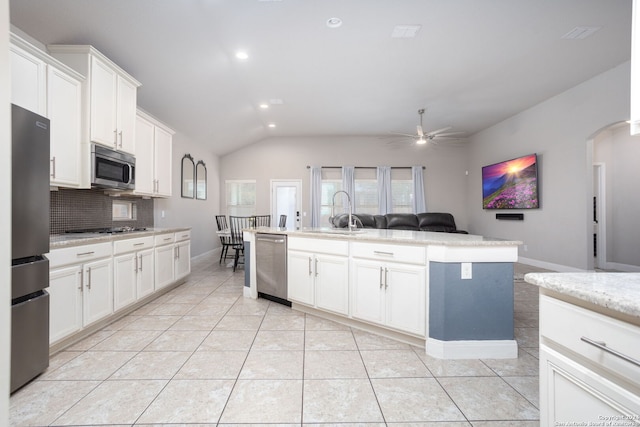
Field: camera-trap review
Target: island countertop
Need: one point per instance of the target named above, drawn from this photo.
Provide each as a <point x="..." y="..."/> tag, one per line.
<point x="618" y="292"/>
<point x="389" y="236"/>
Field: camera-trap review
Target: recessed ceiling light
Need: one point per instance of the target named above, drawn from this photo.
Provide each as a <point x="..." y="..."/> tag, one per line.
<point x="271" y="125"/>
<point x="264" y="106"/>
<point x="334" y="22"/>
<point x="242" y="55"/>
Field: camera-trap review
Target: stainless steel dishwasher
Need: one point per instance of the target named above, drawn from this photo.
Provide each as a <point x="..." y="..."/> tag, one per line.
<point x="271" y="267"/>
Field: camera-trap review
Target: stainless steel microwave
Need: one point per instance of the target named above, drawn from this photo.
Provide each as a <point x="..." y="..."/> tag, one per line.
<point x="112" y="169"/>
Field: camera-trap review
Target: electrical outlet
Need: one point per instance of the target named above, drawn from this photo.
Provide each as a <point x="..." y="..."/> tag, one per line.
<point x="526" y="248"/>
<point x="466" y="270"/>
<point x="162" y="214"/>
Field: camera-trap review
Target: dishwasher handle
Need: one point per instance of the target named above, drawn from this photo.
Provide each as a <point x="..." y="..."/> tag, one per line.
<point x="262" y="239"/>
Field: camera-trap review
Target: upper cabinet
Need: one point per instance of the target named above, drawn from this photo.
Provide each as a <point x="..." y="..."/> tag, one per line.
<point x="45" y="86"/>
<point x="153" y="157"/>
<point x="110" y="96"/>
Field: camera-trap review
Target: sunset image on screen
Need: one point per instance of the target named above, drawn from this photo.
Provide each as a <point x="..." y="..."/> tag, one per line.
<point x="511" y="185"/>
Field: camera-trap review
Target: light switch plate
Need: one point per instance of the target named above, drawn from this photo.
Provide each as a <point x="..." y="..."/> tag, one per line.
<point x="466" y="270"/>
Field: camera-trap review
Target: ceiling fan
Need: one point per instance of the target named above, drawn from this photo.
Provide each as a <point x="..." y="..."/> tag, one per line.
<point x="421" y="137"/>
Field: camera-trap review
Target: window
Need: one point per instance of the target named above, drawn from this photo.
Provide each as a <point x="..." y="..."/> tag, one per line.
<point x="241" y="197"/>
<point x="122" y="210"/>
<point x="402" y="195"/>
<point x="366" y="197"/>
<point x="329" y="188"/>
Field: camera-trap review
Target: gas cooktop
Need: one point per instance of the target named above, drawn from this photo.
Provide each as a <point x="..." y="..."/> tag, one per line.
<point x="108" y="230"/>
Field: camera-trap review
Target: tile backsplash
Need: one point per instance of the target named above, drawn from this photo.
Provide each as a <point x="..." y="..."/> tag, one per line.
<point x="81" y="209"/>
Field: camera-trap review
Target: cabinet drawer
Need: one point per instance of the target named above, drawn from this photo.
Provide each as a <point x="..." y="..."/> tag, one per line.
<point x="385" y="252"/>
<point x="78" y="254"/>
<point x="567" y="325"/>
<point x="182" y="235"/>
<point x="164" y="239"/>
<point x="130" y="245"/>
<point x="325" y="246"/>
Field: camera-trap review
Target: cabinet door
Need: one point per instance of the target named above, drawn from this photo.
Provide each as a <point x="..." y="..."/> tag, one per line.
<point x="332" y="283"/>
<point x="98" y="290"/>
<point x="571" y="392"/>
<point x="124" y="280"/>
<point x="103" y="104"/>
<point x="300" y="277"/>
<point x="126" y="101"/>
<point x="65" y="302"/>
<point x="162" y="157"/>
<point x="163" y="266"/>
<point x="145" y="183"/>
<point x="28" y="81"/>
<point x="182" y="259"/>
<point x="64" y="103"/>
<point x="405" y="298"/>
<point x="145" y="281"/>
<point x="367" y="290"/>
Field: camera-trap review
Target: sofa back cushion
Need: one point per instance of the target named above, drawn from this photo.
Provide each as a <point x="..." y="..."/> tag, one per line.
<point x="402" y="221"/>
<point x="436" y="221"/>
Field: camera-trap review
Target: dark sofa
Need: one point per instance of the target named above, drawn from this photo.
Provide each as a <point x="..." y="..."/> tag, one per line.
<point x="427" y="221"/>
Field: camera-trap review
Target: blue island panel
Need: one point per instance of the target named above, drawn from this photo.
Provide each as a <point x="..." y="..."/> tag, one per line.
<point x="480" y="308"/>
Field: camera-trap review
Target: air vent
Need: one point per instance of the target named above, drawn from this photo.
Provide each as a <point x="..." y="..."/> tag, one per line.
<point x="580" y="33"/>
<point x="405" y="31"/>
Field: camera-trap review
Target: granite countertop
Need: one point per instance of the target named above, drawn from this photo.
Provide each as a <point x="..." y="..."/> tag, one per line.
<point x="395" y="236"/>
<point x="619" y="292"/>
<point x="78" y="239"/>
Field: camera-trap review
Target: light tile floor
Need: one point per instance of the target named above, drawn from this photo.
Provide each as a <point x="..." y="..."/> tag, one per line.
<point x="203" y="355"/>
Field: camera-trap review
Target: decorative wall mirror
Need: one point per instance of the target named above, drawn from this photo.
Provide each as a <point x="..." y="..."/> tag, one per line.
<point x="201" y="180"/>
<point x="188" y="176"/>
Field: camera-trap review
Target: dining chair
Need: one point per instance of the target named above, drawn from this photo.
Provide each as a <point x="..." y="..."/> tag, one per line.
<point x="263" y="220"/>
<point x="239" y="223"/>
<point x="283" y="221"/>
<point x="225" y="236"/>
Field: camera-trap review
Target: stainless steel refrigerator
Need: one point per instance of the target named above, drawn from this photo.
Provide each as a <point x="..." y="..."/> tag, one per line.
<point x="29" y="243"/>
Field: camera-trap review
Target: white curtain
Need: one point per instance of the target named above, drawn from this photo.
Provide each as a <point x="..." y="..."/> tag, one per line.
<point x="418" y="189"/>
<point x="316" y="195"/>
<point x="348" y="185"/>
<point x="385" y="203"/>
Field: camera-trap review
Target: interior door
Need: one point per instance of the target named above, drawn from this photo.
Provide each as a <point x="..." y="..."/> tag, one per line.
<point x="286" y="199"/>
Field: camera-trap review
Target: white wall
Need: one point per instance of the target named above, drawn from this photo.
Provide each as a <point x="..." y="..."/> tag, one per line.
<point x="619" y="152"/>
<point x="5" y="214"/>
<point x="288" y="157"/>
<point x="559" y="233"/>
<point x="197" y="214"/>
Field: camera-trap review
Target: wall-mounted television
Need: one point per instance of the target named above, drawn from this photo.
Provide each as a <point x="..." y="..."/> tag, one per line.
<point x="512" y="184"/>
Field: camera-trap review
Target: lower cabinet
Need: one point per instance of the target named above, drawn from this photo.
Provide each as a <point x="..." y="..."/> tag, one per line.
<point x="164" y="255"/>
<point x="589" y="370"/>
<point x="79" y="295"/>
<point x="132" y="277"/>
<point x="182" y="259"/>
<point x="389" y="294"/>
<point x="318" y="279"/>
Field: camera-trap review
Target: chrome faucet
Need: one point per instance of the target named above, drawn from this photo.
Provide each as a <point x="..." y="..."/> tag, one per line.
<point x="351" y="224"/>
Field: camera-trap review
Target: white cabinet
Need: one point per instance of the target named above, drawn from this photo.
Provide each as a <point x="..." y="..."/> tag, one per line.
<point x="318" y="273"/>
<point x="587" y="370"/>
<point x="64" y="103"/>
<point x="80" y="288"/>
<point x="182" y="254"/>
<point x="110" y="96"/>
<point x="112" y="107"/>
<point x="42" y="84"/>
<point x="391" y="294"/>
<point x="132" y="270"/>
<point x="28" y="79"/>
<point x="153" y="157"/>
<point x="164" y="255"/>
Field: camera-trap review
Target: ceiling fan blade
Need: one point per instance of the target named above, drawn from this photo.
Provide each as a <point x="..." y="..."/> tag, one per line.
<point x="449" y="134"/>
<point x="435" y="132"/>
<point x="403" y="134"/>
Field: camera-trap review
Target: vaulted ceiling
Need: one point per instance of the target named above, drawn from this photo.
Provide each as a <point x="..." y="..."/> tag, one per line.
<point x="471" y="64"/>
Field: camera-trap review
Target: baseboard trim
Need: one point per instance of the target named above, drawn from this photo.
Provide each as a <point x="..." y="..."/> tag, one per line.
<point x="627" y="268"/>
<point x="549" y="265"/>
<point x="483" y="349"/>
<point x="212" y="253"/>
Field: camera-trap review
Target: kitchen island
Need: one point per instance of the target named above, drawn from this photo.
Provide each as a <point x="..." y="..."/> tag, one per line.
<point x="452" y="293"/>
<point x="589" y="352"/>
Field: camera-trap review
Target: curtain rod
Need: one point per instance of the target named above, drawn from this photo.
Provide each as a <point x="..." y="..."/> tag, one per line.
<point x="364" y="167"/>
